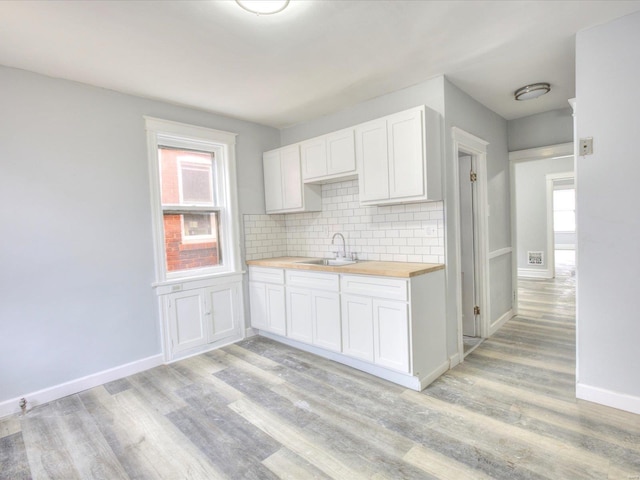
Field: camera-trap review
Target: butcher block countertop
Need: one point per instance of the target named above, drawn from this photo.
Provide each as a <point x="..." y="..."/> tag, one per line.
<point x="363" y="267"/>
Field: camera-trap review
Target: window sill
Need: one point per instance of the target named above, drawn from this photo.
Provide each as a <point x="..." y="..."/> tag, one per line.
<point x="185" y="247"/>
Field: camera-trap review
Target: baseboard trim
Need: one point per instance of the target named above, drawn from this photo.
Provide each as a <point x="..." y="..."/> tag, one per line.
<point x="609" y="398"/>
<point x="495" y="326"/>
<point x="9" y="407"/>
<point x="454" y="360"/>
<point x="534" y="273"/>
<point x="250" y="332"/>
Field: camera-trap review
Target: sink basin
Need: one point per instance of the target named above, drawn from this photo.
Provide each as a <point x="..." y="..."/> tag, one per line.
<point x="331" y="262"/>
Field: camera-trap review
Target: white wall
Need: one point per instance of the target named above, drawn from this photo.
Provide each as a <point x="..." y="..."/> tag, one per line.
<point x="76" y="252"/>
<point x="540" y="130"/>
<point x="464" y="112"/>
<point x="608" y="99"/>
<point x="531" y="207"/>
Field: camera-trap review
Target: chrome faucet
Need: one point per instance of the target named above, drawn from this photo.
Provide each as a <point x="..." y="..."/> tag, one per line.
<point x="344" y="245"/>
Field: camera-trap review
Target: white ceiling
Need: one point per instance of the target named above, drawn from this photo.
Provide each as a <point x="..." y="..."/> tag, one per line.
<point x="314" y="58"/>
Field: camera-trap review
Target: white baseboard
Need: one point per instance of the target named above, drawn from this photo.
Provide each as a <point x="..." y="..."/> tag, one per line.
<point x="11" y="406"/>
<point x="454" y="360"/>
<point x="621" y="401"/>
<point x="534" y="273"/>
<point x="433" y="375"/>
<point x="495" y="326"/>
<point x="250" y="332"/>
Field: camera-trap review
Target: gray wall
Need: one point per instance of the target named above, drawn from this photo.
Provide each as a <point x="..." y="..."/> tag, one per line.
<point x="464" y="112"/>
<point x="547" y="128"/>
<point x="608" y="224"/>
<point x="531" y="206"/>
<point x="76" y="250"/>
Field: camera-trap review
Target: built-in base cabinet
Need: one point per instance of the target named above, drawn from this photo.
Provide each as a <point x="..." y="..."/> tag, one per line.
<point x="393" y="328"/>
<point x="201" y="315"/>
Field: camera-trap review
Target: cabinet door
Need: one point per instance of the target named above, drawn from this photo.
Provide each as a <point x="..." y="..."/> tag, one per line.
<point x="327" y="329"/>
<point x="299" y="318"/>
<point x="373" y="163"/>
<point x="391" y="334"/>
<point x="258" y="305"/>
<point x="341" y="152"/>
<point x="186" y="319"/>
<point x="313" y="155"/>
<point x="276" y="312"/>
<point x="357" y="327"/>
<point x="291" y="179"/>
<point x="222" y="315"/>
<point x="406" y="154"/>
<point x="272" y="181"/>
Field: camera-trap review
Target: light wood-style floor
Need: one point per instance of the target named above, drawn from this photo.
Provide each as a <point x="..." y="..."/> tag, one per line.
<point x="260" y="410"/>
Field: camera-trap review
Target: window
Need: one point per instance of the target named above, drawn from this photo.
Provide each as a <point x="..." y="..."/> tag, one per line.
<point x="564" y="210"/>
<point x="193" y="188"/>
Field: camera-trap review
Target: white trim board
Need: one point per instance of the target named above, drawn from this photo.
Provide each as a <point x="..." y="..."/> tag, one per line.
<point x="34" y="399"/>
<point x="559" y="150"/>
<point x="609" y="398"/>
<point x="534" y="273"/>
<point x="495" y="326"/>
<point x="500" y="252"/>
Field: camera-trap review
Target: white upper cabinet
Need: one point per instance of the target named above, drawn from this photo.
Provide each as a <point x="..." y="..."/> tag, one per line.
<point x="399" y="158"/>
<point x="283" y="187"/>
<point x="329" y="157"/>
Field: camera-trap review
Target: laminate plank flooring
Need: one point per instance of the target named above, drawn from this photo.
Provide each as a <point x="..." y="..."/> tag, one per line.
<point x="262" y="410"/>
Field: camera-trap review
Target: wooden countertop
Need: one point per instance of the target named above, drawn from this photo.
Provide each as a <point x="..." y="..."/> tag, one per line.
<point x="363" y="267"/>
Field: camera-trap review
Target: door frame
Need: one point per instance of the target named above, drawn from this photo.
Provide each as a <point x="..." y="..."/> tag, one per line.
<point x="466" y="143"/>
<point x="560" y="150"/>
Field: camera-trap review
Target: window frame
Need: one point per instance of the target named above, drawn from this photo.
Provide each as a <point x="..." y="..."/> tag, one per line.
<point x="190" y="137"/>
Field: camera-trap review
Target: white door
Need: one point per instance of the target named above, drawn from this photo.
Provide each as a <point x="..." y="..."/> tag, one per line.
<point x="291" y="180"/>
<point x="391" y="334"/>
<point x="406" y="154"/>
<point x="272" y="181"/>
<point x="357" y="327"/>
<point x="221" y="313"/>
<point x="467" y="247"/>
<point x="186" y="317"/>
<point x="299" y="316"/>
<point x="327" y="327"/>
<point x="373" y="160"/>
<point x="276" y="312"/>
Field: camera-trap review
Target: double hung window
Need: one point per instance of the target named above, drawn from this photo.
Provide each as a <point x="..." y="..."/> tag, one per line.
<point x="193" y="193"/>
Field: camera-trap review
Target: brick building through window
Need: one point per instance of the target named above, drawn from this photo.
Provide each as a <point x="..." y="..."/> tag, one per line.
<point x="189" y="207"/>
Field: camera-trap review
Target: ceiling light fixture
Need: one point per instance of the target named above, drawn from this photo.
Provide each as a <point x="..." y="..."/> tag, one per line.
<point x="534" y="90"/>
<point x="263" y="7"/>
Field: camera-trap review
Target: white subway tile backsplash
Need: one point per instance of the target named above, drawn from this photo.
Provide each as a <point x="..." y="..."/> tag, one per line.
<point x="386" y="233"/>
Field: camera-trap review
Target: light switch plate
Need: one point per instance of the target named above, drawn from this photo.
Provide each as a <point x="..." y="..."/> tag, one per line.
<point x="586" y="146"/>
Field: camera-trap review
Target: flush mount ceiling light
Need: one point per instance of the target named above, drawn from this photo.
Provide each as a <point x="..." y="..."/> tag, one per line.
<point x="263" y="7"/>
<point x="534" y="90"/>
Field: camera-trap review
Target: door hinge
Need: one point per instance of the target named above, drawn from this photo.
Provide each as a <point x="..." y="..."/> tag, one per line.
<point x="476" y="310"/>
<point x="473" y="177"/>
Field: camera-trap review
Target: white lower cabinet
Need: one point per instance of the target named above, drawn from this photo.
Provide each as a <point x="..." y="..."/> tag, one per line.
<point x="394" y="328"/>
<point x="266" y="294"/>
<point x="197" y="316"/>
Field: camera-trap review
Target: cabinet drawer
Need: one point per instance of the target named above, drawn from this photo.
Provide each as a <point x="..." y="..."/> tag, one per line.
<point x="267" y="275"/>
<point x="377" y="287"/>
<point x="321" y="281"/>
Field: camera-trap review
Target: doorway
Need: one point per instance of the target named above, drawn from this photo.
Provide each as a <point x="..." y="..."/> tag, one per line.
<point x="467" y="180"/>
<point x="471" y="238"/>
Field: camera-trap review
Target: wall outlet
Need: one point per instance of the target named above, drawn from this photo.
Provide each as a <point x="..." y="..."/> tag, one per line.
<point x="431" y="230"/>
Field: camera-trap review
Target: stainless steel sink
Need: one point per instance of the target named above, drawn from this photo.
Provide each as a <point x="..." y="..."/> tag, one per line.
<point x="329" y="262"/>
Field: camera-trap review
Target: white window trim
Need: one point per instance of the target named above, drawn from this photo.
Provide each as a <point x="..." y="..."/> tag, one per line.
<point x="163" y="132"/>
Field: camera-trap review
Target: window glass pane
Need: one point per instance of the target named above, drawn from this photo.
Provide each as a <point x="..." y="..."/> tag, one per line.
<point x="191" y="240"/>
<point x="186" y="177"/>
<point x="564" y="199"/>
<point x="564" y="221"/>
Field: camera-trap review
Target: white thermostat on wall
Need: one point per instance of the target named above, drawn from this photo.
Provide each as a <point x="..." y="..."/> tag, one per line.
<point x="535" y="258"/>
